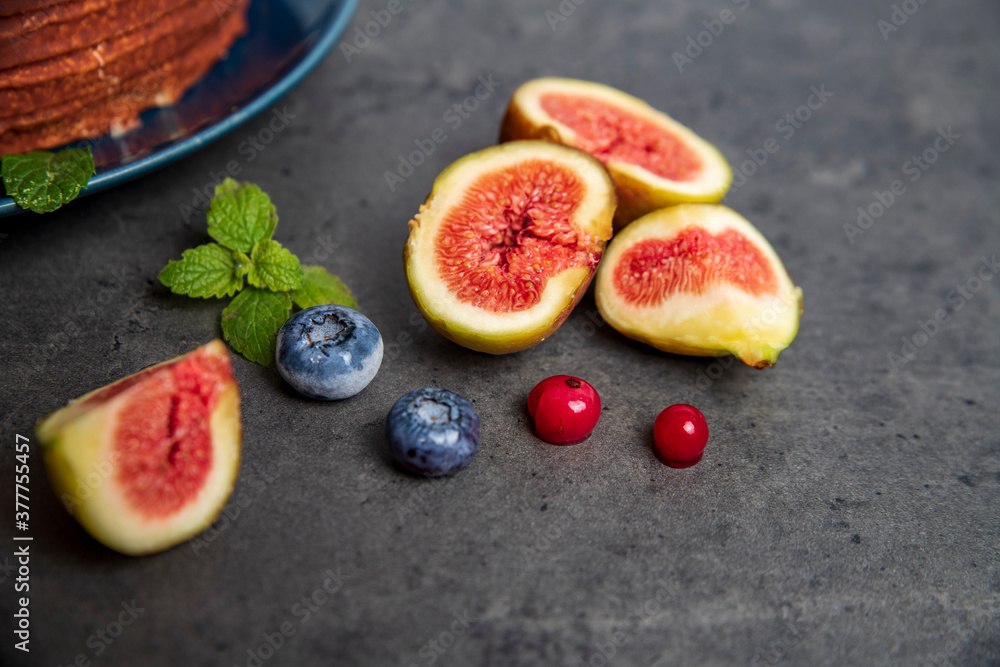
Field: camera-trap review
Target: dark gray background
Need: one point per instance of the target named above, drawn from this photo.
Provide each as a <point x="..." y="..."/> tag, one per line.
<point x="843" y="514"/>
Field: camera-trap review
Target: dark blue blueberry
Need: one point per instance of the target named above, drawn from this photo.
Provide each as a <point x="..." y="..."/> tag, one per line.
<point x="433" y="431"/>
<point x="328" y="352"/>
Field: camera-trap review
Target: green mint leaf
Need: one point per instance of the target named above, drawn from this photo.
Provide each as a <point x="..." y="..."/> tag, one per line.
<point x="240" y="215"/>
<point x="209" y="270"/>
<point x="251" y="321"/>
<point x="320" y="287"/>
<point x="243" y="264"/>
<point x="273" y="267"/>
<point x="43" y="181"/>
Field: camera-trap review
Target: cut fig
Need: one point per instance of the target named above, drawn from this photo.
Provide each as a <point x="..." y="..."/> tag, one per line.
<point x="699" y="279"/>
<point x="149" y="461"/>
<point x="654" y="160"/>
<point x="507" y="243"/>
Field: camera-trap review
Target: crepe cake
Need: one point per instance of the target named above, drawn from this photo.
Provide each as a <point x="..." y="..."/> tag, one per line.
<point x="75" y="25"/>
<point x="9" y="7"/>
<point x="84" y="73"/>
<point x="103" y="86"/>
<point x="189" y="15"/>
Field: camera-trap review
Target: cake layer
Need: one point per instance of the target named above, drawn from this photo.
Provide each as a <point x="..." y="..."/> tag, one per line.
<point x="57" y="38"/>
<point x="122" y="58"/>
<point x="11" y="7"/>
<point x="20" y="27"/>
<point x="199" y="45"/>
<point x="92" y="58"/>
<point x="119" y="111"/>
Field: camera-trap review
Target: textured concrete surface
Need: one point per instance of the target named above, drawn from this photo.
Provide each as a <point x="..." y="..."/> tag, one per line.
<point x="846" y="511"/>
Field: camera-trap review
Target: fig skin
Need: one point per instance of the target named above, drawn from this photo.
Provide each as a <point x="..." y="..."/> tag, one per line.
<point x="568" y="287"/>
<point x="490" y="344"/>
<point x="639" y="191"/>
<point x="76" y="450"/>
<point x="725" y="324"/>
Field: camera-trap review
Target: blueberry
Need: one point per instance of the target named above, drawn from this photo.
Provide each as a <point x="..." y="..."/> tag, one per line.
<point x="433" y="431"/>
<point x="328" y="352"/>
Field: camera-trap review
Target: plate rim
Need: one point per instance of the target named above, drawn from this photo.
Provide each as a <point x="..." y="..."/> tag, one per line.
<point x="274" y="91"/>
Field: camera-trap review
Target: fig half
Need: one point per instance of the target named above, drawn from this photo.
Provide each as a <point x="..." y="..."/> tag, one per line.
<point x="654" y="160"/>
<point x="507" y="242"/>
<point x="149" y="461"/>
<point x="699" y="279"/>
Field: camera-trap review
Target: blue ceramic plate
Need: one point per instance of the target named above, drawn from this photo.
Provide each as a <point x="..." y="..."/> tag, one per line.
<point x="286" y="39"/>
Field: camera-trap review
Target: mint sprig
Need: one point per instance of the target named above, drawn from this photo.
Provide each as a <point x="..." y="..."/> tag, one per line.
<point x="210" y="270"/>
<point x="240" y="215"/>
<point x="251" y="321"/>
<point x="242" y="219"/>
<point x="320" y="287"/>
<point x="273" y="267"/>
<point x="42" y="181"/>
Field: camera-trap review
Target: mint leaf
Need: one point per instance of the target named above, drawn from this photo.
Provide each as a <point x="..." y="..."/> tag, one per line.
<point x="251" y="321"/>
<point x="273" y="267"/>
<point x="209" y="270"/>
<point x="243" y="264"/>
<point x="43" y="181"/>
<point x="242" y="219"/>
<point x="320" y="287"/>
<point x="240" y="215"/>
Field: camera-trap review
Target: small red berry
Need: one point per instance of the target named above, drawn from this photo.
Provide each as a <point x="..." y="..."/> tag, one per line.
<point x="565" y="409"/>
<point x="680" y="434"/>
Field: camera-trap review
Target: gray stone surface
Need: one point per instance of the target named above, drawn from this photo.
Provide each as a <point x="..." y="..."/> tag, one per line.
<point x="845" y="513"/>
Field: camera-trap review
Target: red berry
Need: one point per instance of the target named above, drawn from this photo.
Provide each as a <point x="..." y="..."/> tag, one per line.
<point x="565" y="409"/>
<point x="680" y="434"/>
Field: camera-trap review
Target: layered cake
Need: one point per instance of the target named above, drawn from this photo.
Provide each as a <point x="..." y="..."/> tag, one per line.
<point x="78" y="69"/>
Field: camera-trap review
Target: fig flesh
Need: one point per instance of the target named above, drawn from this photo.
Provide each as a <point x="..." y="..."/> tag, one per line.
<point x="149" y="461"/>
<point x="654" y="160"/>
<point x="699" y="279"/>
<point x="507" y="243"/>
